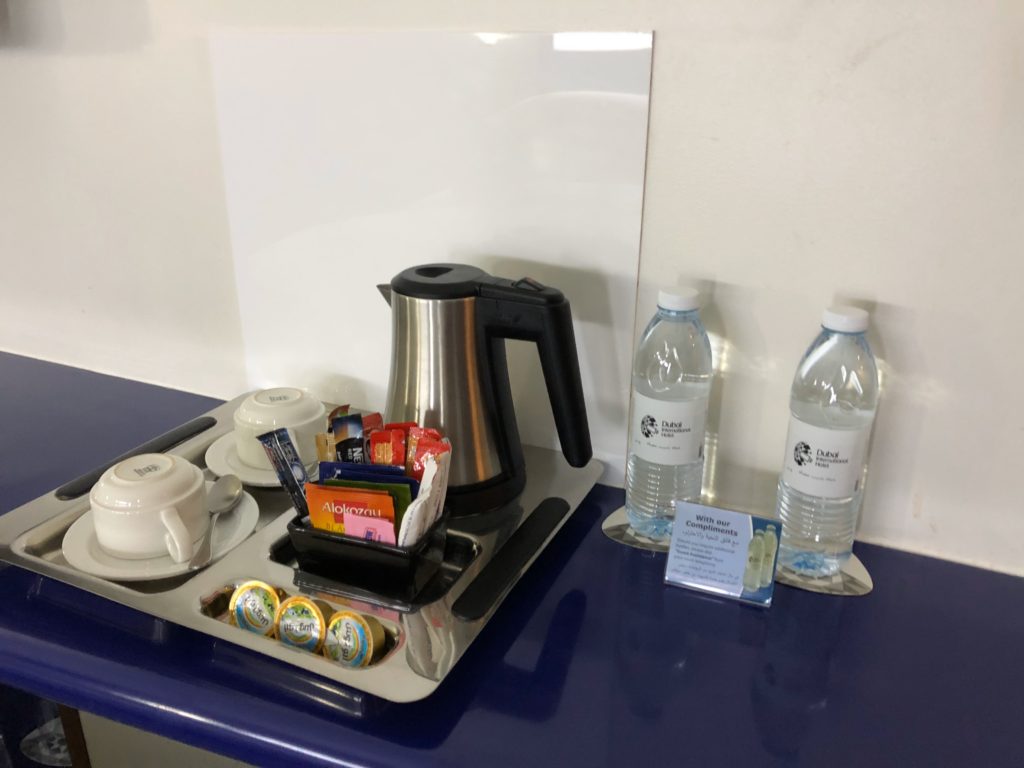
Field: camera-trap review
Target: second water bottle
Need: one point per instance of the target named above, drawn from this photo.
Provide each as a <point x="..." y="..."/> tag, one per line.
<point x="832" y="407"/>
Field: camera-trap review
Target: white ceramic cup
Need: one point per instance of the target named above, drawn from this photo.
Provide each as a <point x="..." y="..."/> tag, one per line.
<point x="150" y="505"/>
<point x="301" y="413"/>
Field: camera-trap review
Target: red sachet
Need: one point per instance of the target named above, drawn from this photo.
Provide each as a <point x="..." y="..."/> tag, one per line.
<point x="425" y="446"/>
<point x="414" y="435"/>
<point x="372" y="421"/>
<point x="387" y="446"/>
<point x="403" y="426"/>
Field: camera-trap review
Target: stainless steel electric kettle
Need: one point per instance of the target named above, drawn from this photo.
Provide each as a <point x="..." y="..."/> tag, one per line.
<point x="449" y="371"/>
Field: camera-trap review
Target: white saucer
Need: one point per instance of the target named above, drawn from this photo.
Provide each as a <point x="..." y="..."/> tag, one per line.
<point x="82" y="550"/>
<point x="222" y="459"/>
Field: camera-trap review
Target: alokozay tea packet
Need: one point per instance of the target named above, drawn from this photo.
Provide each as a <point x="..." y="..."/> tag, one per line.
<point x="332" y="509"/>
<point x="401" y="494"/>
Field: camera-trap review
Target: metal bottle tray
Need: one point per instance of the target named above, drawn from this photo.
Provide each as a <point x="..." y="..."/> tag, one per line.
<point x="484" y="557"/>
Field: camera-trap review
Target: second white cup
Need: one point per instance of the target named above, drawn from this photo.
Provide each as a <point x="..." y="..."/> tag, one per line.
<point x="301" y="413"/>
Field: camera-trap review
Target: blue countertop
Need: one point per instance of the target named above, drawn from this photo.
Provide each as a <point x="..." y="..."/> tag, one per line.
<point x="590" y="661"/>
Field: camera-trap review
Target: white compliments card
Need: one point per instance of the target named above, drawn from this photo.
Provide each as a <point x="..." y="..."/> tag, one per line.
<point x="723" y="552"/>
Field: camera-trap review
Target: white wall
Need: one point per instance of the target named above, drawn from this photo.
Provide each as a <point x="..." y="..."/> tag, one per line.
<point x="799" y="152"/>
<point x="817" y="151"/>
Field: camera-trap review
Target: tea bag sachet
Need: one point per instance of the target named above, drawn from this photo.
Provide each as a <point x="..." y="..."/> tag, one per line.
<point x="427" y="507"/>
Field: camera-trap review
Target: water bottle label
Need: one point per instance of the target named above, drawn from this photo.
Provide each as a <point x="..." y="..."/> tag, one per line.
<point x="828" y="463"/>
<point x="667" y="432"/>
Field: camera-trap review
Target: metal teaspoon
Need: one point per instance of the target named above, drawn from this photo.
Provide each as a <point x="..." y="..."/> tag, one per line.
<point x="222" y="497"/>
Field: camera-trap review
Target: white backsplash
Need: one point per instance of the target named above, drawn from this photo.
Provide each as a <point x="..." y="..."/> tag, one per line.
<point x="405" y="148"/>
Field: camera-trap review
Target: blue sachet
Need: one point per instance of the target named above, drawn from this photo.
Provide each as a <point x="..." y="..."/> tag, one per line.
<point x="329" y="468"/>
<point x="344" y="471"/>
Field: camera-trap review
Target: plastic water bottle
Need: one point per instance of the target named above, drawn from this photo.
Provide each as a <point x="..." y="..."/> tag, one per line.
<point x="832" y="407"/>
<point x="671" y="383"/>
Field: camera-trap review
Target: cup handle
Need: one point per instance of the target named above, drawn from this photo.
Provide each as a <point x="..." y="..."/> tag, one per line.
<point x="177" y="538"/>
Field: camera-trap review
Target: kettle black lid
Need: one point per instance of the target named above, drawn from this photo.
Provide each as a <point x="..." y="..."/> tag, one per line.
<point x="439" y="281"/>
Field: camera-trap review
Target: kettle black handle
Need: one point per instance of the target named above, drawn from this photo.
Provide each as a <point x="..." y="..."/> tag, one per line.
<point x="526" y="310"/>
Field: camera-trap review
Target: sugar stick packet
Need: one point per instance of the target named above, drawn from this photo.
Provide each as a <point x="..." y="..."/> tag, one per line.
<point x="288" y="466"/>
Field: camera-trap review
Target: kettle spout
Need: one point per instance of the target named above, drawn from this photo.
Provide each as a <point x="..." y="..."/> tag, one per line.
<point x="385" y="291"/>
